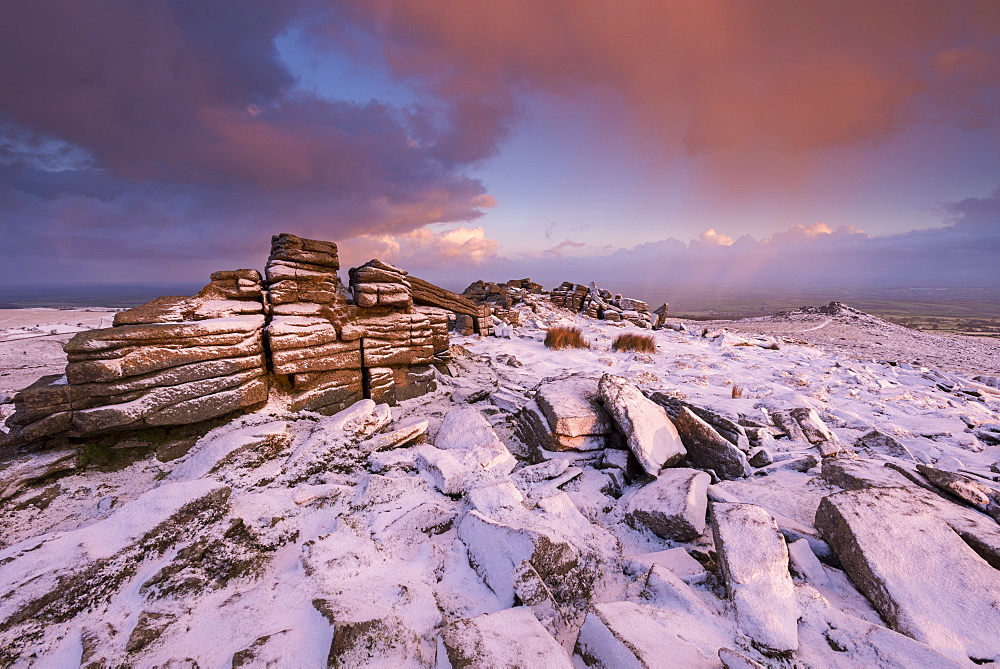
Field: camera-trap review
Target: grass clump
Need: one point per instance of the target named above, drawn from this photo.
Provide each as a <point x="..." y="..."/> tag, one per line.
<point x="641" y="343"/>
<point x="737" y="392"/>
<point x="560" y="338"/>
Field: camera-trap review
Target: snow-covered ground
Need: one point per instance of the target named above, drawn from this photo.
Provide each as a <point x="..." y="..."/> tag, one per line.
<point x="287" y="539"/>
<point x="31" y="342"/>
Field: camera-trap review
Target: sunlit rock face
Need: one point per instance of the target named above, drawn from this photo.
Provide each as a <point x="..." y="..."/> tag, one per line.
<point x="295" y="335"/>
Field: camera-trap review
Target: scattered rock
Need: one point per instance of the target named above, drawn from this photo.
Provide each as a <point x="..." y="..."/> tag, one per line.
<point x="969" y="490"/>
<point x="785" y="422"/>
<point x="885" y="444"/>
<point x="761" y="458"/>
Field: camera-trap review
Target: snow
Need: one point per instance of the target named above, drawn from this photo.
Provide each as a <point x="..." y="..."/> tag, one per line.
<point x="369" y="555"/>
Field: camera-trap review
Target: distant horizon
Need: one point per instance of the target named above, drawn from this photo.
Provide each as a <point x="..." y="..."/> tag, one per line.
<point x="684" y="299"/>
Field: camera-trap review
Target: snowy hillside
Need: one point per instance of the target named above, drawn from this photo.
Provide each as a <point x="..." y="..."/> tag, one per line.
<point x="812" y="509"/>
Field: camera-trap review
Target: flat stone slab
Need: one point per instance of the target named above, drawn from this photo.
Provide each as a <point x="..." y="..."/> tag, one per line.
<point x="754" y="561"/>
<point x="925" y="581"/>
<point x="673" y="506"/>
<point x="508" y="638"/>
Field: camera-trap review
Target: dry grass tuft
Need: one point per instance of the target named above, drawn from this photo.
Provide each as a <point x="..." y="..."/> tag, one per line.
<point x="634" y="342"/>
<point x="559" y="338"/>
<point x="737" y="391"/>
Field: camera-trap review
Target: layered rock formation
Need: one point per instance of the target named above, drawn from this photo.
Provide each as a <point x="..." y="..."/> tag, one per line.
<point x="501" y="297"/>
<point x="469" y="317"/>
<point x="296" y="334"/>
<point x="596" y="303"/>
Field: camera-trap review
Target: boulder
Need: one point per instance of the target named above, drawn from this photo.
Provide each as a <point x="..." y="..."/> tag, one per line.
<point x="856" y="642"/>
<point x="532" y="428"/>
<point x="673" y="506"/>
<point x="813" y="427"/>
<point x="883" y="540"/>
<point x="707" y="449"/>
<point x="465" y="431"/>
<point x="977" y="530"/>
<point x="785" y="422"/>
<point x="649" y="433"/>
<point x="734" y="432"/>
<point x="496" y="548"/>
<point x="754" y="563"/>
<point x="884" y="444"/>
<point x="508" y="638"/>
<point x="295" y="249"/>
<point x="861" y="473"/>
<point x="659" y="316"/>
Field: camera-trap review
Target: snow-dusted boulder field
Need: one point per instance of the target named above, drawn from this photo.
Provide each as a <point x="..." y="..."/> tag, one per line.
<point x="731" y="500"/>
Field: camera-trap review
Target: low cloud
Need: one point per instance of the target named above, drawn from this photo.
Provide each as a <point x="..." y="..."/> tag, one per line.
<point x="424" y="250"/>
<point x="962" y="253"/>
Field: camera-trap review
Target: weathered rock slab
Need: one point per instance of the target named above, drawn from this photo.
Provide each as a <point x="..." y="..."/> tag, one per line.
<point x="571" y="407"/>
<point x="673" y="506"/>
<point x="648" y="431"/>
<point x="627" y="634"/>
<point x="707" y="449"/>
<point x="925" y="581"/>
<point x="754" y="562"/>
<point x="508" y="638"/>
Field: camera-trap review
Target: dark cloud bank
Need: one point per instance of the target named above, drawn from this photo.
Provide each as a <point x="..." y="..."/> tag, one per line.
<point x="153" y="140"/>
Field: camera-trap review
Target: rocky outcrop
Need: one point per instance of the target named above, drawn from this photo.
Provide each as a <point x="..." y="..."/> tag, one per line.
<point x="301" y="276"/>
<point x="294" y="334"/>
<point x="596" y="303"/>
<point x="501" y="297"/>
<point x="136" y="376"/>
<point x="708" y="449"/>
<point x="469" y="317"/>
<point x="379" y="284"/>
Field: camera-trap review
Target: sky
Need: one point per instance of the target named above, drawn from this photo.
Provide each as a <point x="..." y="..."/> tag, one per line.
<point x="767" y="143"/>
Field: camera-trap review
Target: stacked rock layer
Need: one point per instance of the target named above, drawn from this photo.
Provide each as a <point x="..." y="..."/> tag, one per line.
<point x="295" y="335"/>
<point x="596" y="303"/>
